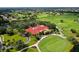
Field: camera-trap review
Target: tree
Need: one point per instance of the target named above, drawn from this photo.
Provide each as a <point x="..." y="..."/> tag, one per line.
<point x="8" y="50"/>
<point x="46" y="23"/>
<point x="3" y="49"/>
<point x="3" y="21"/>
<point x="73" y="30"/>
<point x="73" y="40"/>
<point x="75" y="48"/>
<point x="77" y="35"/>
<point x="9" y="31"/>
<point x="61" y="21"/>
<point x="20" y="45"/>
<point x="0" y="45"/>
<point x="2" y="30"/>
<point x="38" y="37"/>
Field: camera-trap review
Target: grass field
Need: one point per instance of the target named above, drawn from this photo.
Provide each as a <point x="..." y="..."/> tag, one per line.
<point x="55" y="44"/>
<point x="68" y="21"/>
<point x="32" y="50"/>
<point x="33" y="40"/>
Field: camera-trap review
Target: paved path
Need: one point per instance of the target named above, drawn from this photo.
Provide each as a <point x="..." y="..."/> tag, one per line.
<point x="36" y="44"/>
<point x="60" y="31"/>
<point x="1" y="38"/>
<point x="27" y="40"/>
<point x="59" y="35"/>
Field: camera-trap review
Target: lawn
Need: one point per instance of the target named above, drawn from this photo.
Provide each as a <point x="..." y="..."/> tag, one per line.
<point x="55" y="44"/>
<point x="33" y="40"/>
<point x="32" y="50"/>
<point x="68" y="23"/>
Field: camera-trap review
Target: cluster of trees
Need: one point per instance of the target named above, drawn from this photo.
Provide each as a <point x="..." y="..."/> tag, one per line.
<point x="9" y="45"/>
<point x="31" y="23"/>
<point x="2" y="30"/>
<point x="20" y="45"/>
<point x="21" y="25"/>
<point x="3" y="25"/>
<point x="75" y="32"/>
<point x="46" y="23"/>
<point x="75" y="43"/>
<point x="73" y="40"/>
<point x="75" y="48"/>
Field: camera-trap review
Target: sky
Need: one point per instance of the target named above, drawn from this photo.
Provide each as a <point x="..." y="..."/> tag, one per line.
<point x="39" y="3"/>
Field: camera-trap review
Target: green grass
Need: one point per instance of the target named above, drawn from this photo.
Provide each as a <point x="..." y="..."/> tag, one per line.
<point x="13" y="50"/>
<point x="68" y="19"/>
<point x="55" y="44"/>
<point x="33" y="40"/>
<point x="43" y="15"/>
<point x="19" y="37"/>
<point x="16" y="37"/>
<point x="32" y="50"/>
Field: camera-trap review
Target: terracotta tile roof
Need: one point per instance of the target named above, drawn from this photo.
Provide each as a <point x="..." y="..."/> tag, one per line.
<point x="36" y="29"/>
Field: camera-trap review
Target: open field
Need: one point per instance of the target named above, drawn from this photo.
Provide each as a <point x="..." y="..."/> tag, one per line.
<point x="68" y="21"/>
<point x="55" y="44"/>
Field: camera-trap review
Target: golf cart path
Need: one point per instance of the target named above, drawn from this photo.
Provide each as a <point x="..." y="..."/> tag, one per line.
<point x="1" y="38"/>
<point x="36" y="44"/>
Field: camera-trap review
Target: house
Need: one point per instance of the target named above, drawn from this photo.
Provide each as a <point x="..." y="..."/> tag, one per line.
<point x="37" y="29"/>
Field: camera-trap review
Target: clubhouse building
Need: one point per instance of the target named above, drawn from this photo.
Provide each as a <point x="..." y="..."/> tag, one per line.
<point x="37" y="29"/>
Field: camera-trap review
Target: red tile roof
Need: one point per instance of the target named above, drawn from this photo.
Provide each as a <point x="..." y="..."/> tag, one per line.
<point x="37" y="29"/>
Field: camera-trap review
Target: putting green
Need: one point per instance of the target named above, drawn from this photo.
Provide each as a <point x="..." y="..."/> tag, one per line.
<point x="55" y="44"/>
